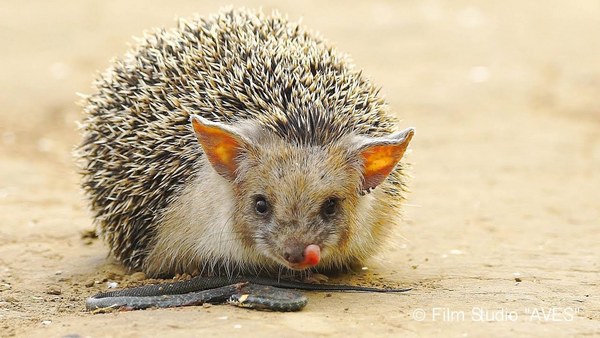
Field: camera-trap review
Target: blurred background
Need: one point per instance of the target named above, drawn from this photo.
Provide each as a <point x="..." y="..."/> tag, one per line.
<point x="505" y="97"/>
<point x="434" y="59"/>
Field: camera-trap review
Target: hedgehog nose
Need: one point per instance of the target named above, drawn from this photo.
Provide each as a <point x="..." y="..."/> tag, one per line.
<point x="294" y="254"/>
<point x="300" y="256"/>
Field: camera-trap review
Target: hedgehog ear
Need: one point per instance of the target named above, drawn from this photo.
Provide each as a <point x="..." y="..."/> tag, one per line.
<point x="379" y="156"/>
<point x="221" y="143"/>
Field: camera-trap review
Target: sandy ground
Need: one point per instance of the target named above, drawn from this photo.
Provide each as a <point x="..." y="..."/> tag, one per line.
<point x="501" y="232"/>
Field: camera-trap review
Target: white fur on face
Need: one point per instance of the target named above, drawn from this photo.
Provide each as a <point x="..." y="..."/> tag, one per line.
<point x="197" y="231"/>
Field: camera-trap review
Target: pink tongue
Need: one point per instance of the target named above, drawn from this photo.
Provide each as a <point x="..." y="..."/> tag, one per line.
<point x="312" y="255"/>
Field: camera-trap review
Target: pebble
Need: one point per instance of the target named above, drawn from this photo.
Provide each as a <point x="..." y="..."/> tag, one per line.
<point x="137" y="277"/>
<point x="5" y="286"/>
<point x="11" y="299"/>
<point x="54" y="290"/>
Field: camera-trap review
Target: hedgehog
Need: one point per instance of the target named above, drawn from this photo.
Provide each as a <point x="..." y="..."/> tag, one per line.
<point x="240" y="143"/>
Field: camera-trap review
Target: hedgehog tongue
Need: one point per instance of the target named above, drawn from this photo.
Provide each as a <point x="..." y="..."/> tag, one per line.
<point x="312" y="255"/>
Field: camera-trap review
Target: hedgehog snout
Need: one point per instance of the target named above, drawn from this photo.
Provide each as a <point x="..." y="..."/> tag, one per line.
<point x="299" y="255"/>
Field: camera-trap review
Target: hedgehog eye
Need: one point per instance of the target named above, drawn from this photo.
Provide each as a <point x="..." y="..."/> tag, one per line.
<point x="261" y="206"/>
<point x="330" y="207"/>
